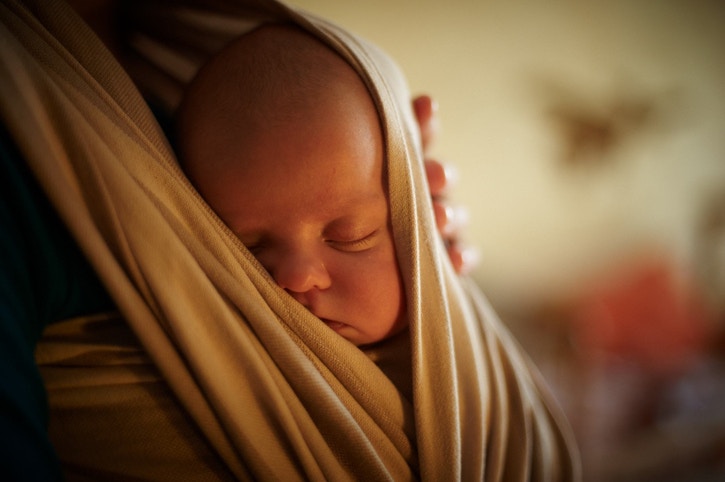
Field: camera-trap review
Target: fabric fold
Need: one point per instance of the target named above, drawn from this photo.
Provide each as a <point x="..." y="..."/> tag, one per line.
<point x="272" y="392"/>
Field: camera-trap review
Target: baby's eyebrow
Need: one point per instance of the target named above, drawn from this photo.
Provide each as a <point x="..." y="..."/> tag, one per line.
<point x="362" y="208"/>
<point x="363" y="199"/>
<point x="348" y="224"/>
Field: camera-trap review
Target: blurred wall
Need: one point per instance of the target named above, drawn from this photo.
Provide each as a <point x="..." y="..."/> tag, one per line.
<point x="584" y="133"/>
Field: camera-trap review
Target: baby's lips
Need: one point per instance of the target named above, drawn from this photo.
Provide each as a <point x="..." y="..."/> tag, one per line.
<point x="334" y="325"/>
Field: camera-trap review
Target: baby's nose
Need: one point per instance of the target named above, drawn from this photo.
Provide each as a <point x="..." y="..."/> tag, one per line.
<point x="299" y="272"/>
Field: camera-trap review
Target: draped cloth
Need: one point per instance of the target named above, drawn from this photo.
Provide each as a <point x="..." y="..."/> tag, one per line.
<point x="210" y="371"/>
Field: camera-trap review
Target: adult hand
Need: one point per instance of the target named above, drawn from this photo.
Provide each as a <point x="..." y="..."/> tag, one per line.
<point x="449" y="219"/>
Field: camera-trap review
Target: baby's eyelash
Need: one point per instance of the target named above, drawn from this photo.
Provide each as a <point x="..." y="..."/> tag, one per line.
<point x="355" y="244"/>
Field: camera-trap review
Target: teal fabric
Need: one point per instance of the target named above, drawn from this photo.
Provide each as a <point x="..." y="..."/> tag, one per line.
<point x="43" y="278"/>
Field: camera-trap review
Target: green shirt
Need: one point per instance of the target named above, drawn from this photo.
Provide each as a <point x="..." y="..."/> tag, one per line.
<point x="44" y="278"/>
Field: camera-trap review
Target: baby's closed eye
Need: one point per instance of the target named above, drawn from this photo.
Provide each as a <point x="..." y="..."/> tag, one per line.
<point x="353" y="242"/>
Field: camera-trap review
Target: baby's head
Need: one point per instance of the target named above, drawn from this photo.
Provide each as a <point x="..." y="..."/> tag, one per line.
<point x="282" y="139"/>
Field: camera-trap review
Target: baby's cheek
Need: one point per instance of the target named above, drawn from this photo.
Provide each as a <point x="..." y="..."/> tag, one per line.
<point x="385" y="279"/>
<point x="374" y="272"/>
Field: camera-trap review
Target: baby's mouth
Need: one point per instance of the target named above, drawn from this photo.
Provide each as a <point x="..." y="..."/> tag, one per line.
<point x="335" y="325"/>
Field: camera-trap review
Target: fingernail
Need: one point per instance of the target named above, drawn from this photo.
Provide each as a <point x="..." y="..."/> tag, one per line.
<point x="451" y="173"/>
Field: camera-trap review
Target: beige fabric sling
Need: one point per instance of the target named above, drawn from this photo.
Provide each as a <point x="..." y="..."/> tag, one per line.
<point x="222" y="375"/>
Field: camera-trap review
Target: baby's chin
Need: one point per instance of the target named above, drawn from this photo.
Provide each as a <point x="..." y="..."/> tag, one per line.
<point x="361" y="339"/>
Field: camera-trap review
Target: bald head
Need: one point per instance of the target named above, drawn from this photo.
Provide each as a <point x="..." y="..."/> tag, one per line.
<point x="274" y="75"/>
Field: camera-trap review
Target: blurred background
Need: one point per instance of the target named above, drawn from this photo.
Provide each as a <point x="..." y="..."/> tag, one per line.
<point x="590" y="144"/>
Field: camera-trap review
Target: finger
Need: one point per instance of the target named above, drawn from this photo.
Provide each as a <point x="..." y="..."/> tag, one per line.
<point x="440" y="177"/>
<point x="426" y="109"/>
<point x="442" y="217"/>
<point x="463" y="259"/>
<point x="436" y="174"/>
<point x="450" y="220"/>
